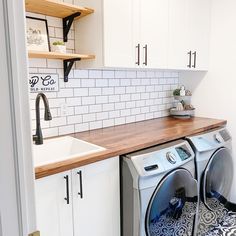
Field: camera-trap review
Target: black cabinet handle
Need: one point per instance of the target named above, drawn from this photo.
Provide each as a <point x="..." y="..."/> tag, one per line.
<point x="67" y="198"/>
<point x="80" y="183"/>
<point x="145" y="55"/>
<point x="195" y="59"/>
<point x="190" y="59"/>
<point x="138" y="61"/>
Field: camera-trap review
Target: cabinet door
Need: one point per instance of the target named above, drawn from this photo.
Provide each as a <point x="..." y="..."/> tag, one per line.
<point x="154" y="33"/>
<point x="54" y="214"/>
<point x="97" y="209"/>
<point x="179" y="46"/>
<point x="118" y="33"/>
<point x="199" y="30"/>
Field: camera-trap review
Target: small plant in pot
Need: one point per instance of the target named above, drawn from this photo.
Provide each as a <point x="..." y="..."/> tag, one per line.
<point x="59" y="46"/>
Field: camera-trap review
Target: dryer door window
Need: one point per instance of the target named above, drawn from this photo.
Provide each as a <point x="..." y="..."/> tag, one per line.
<point x="217" y="179"/>
<point x="173" y="206"/>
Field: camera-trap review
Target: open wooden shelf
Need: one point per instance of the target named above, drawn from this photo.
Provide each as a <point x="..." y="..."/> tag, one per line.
<point x="55" y="8"/>
<point x="68" y="59"/>
<point x="57" y="55"/>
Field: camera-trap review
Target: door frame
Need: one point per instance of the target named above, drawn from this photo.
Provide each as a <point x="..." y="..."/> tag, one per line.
<point x="17" y="198"/>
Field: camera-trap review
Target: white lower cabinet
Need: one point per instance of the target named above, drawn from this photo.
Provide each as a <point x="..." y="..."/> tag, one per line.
<point x="54" y="215"/>
<point x="97" y="210"/>
<point x="94" y="201"/>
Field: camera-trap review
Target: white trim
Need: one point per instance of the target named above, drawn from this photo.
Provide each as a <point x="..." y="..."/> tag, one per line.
<point x="18" y="138"/>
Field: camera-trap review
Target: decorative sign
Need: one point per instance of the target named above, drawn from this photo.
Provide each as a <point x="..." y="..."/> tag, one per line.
<point x="43" y="83"/>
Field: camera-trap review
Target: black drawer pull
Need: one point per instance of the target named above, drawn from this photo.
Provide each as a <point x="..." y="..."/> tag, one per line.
<point x="80" y="193"/>
<point x="67" y="198"/>
<point x="190" y="59"/>
<point x="138" y="61"/>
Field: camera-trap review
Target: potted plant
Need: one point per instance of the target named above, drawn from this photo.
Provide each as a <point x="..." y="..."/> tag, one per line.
<point x="181" y="94"/>
<point x="59" y="46"/>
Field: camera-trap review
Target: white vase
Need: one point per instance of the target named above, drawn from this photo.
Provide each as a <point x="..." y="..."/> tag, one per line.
<point x="58" y="48"/>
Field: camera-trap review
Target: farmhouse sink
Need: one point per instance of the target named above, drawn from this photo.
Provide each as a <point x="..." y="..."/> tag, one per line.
<point x="64" y="148"/>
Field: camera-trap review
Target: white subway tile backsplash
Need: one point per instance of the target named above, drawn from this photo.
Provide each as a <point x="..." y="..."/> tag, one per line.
<point x="81" y="110"/>
<point x="89" y="117"/>
<point x="88" y="100"/>
<point x="52" y="63"/>
<point x="101" y="82"/>
<point x="108" y="123"/>
<point x="95" y="74"/>
<point x="82" y="127"/>
<point x="88" y="83"/>
<point x="54" y="21"/>
<point x="82" y="74"/>
<point x="58" y="121"/>
<point x="95" y="91"/>
<point x="107" y="91"/>
<point x="81" y="92"/>
<point x="64" y="93"/>
<point x="120" y="74"/>
<point x="120" y="121"/>
<point x="66" y="129"/>
<point x="95" y="108"/>
<point x="95" y="124"/>
<point x="108" y="107"/>
<point x="74" y="119"/>
<point x="38" y="62"/>
<point x="100" y="98"/>
<point x="75" y="101"/>
<point x="108" y="74"/>
<point x="51" y="132"/>
<point x="102" y="115"/>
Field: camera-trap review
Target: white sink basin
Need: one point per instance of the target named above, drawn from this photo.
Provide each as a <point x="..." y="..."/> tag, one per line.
<point x="59" y="149"/>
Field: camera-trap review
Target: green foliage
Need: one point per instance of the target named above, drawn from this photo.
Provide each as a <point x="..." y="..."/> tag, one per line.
<point x="58" y="43"/>
<point x="176" y="92"/>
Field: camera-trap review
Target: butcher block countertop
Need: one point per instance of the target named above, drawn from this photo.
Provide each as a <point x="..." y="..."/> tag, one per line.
<point x="123" y="139"/>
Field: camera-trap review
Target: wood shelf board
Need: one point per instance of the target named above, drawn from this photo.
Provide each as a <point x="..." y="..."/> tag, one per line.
<point x="55" y="8"/>
<point x="56" y="55"/>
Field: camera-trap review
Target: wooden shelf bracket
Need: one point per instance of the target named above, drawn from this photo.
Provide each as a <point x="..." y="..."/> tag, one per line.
<point x="67" y="22"/>
<point x="68" y="64"/>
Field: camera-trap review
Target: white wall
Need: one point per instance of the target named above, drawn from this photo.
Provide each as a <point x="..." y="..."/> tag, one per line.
<point x="214" y="93"/>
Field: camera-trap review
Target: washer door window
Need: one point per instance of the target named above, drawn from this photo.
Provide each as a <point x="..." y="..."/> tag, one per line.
<point x="217" y="179"/>
<point x="173" y="206"/>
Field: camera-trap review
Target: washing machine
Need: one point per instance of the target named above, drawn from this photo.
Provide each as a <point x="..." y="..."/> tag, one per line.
<point x="159" y="191"/>
<point x="214" y="167"/>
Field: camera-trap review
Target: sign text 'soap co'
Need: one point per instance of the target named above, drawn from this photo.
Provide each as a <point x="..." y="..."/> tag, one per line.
<point x="43" y="83"/>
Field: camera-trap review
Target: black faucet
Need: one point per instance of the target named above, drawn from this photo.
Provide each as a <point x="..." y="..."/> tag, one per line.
<point x="38" y="137"/>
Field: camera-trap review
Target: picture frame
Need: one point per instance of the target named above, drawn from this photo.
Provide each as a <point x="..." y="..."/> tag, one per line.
<point x="37" y="34"/>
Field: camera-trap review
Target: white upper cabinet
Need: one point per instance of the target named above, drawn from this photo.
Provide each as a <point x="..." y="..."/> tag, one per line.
<point x="154" y="33"/>
<point x="118" y="33"/>
<point x="158" y="34"/>
<point x="108" y="33"/>
<point x="189" y="28"/>
<point x="199" y="30"/>
<point x="178" y="48"/>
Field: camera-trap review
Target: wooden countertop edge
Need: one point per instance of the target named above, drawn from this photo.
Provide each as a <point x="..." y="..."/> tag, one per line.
<point x="54" y="168"/>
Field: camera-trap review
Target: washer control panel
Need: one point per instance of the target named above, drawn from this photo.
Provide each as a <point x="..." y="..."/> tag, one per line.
<point x="161" y="158"/>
